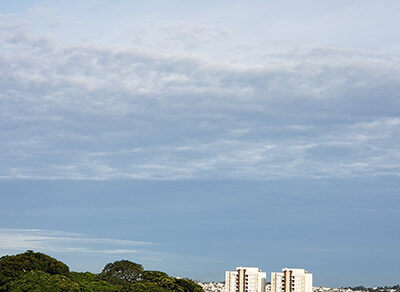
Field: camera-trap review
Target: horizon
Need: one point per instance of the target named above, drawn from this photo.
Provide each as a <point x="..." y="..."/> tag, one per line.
<point x="193" y="137"/>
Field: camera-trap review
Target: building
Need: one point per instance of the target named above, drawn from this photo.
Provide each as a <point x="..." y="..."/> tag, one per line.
<point x="213" y="286"/>
<point x="245" y="279"/>
<point x="291" y="280"/>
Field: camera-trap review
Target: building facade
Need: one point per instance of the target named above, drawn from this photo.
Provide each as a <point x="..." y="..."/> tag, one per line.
<point x="291" y="280"/>
<point x="245" y="279"/>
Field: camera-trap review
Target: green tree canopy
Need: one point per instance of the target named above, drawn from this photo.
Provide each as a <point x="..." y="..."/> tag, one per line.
<point x="36" y="272"/>
<point x="189" y="285"/>
<point x="154" y="276"/>
<point x="39" y="281"/>
<point x="89" y="282"/>
<point x="11" y="267"/>
<point x="144" y="287"/>
<point x="172" y="284"/>
<point x="121" y="272"/>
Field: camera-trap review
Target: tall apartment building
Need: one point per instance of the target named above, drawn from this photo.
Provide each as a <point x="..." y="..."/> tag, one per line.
<point x="291" y="280"/>
<point x="245" y="279"/>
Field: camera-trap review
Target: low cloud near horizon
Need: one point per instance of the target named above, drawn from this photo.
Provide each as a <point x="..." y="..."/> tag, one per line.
<point x="82" y="251"/>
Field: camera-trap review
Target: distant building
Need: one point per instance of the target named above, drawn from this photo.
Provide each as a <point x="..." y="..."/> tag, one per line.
<point x="245" y="279"/>
<point x="213" y="286"/>
<point x="291" y="280"/>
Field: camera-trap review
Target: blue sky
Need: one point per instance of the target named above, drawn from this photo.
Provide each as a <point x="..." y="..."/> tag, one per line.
<point x="197" y="136"/>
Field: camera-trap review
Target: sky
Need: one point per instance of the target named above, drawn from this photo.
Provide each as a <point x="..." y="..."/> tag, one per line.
<point x="196" y="136"/>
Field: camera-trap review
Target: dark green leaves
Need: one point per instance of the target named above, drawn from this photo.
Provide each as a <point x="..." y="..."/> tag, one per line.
<point x="38" y="272"/>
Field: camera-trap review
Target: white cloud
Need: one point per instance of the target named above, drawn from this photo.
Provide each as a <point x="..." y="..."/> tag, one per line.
<point x="79" y="251"/>
<point x="20" y="240"/>
<point x="90" y="112"/>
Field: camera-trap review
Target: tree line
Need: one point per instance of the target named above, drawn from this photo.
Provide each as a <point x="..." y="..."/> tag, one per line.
<point x="376" y="289"/>
<point x="34" y="271"/>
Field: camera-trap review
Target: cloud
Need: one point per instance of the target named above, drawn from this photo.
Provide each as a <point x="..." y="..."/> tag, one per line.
<point x="193" y="37"/>
<point x="19" y="240"/>
<point x="85" y="253"/>
<point x="104" y="112"/>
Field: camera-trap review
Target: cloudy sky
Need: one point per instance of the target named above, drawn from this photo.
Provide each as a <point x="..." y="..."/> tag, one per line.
<point x="196" y="136"/>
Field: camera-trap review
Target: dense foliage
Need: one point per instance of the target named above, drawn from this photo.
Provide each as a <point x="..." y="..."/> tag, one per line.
<point x="121" y="272"/>
<point x="11" y="267"/>
<point x="39" y="281"/>
<point x="32" y="271"/>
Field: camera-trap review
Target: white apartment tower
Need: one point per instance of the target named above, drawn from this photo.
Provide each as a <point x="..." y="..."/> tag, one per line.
<point x="245" y="279"/>
<point x="291" y="280"/>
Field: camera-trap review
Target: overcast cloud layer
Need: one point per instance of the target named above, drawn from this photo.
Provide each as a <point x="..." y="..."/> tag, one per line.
<point x="86" y="111"/>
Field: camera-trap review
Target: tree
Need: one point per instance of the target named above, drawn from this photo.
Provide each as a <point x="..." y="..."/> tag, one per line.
<point x="161" y="279"/>
<point x="121" y="272"/>
<point x="38" y="272"/>
<point x="154" y="276"/>
<point x="39" y="281"/>
<point x="144" y="287"/>
<point x="11" y="267"/>
<point x="89" y="282"/>
<point x="189" y="285"/>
